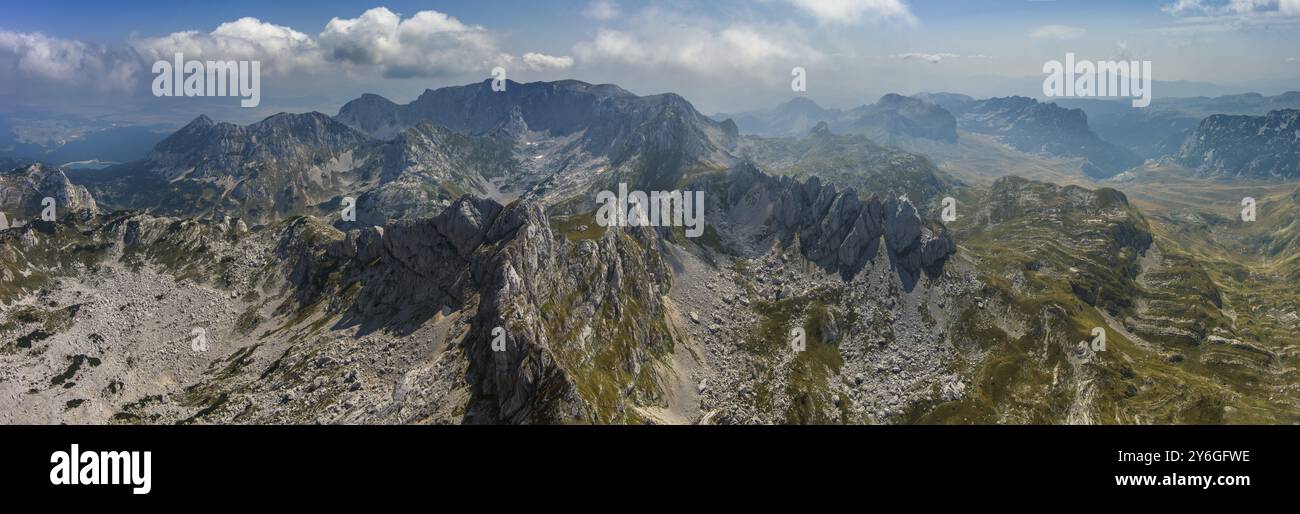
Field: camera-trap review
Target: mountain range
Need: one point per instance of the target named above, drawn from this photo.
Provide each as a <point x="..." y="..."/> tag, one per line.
<point x="1161" y="128"/>
<point x="1022" y="123"/>
<point x="476" y="285"/>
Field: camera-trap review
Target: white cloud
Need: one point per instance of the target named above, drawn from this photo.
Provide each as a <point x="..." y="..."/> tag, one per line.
<point x="281" y="49"/>
<point x="542" y="62"/>
<point x="1062" y="32"/>
<point x="918" y="56"/>
<point x="1242" y="10"/>
<point x="656" y="42"/>
<point x="428" y="44"/>
<point x="1223" y="16"/>
<point x="1181" y="7"/>
<point x="1233" y="7"/>
<point x="602" y="10"/>
<point x="936" y="58"/>
<point x="38" y="56"/>
<point x="850" y="12"/>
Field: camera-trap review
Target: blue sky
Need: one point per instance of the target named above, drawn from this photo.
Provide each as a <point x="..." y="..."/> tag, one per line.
<point x="724" y="55"/>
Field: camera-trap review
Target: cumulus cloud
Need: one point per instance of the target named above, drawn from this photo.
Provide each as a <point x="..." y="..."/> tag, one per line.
<point x="542" y="62"/>
<point x="850" y="12"/>
<point x="280" y="49"/>
<point x="602" y="10"/>
<point x="427" y="44"/>
<point x="37" y="56"/>
<point x="1061" y="32"/>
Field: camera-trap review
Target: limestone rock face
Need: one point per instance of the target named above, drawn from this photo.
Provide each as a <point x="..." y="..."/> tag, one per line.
<point x="23" y="189"/>
<point x="839" y="230"/>
<point x="514" y="279"/>
<point x="1256" y="146"/>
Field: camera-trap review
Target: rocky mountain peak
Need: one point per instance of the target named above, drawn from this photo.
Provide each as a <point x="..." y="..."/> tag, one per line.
<point x="1239" y="145"/>
<point x="23" y="189"/>
<point x="896" y="115"/>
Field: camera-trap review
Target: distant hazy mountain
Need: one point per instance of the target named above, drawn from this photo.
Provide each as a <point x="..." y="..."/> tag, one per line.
<point x="1020" y="122"/>
<point x="1161" y="128"/>
<point x="895" y="115"/>
<point x="1042" y="128"/>
<point x="1259" y="146"/>
<point x="952" y="102"/>
<point x="891" y="116"/>
<point x="794" y="118"/>
<point x="849" y="160"/>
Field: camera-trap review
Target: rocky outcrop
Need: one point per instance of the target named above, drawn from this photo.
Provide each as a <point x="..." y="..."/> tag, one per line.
<point x="407" y="270"/>
<point x="205" y="148"/>
<point x="840" y="231"/>
<point x="427" y="167"/>
<point x="577" y="318"/>
<point x="23" y="189"/>
<point x="283" y="166"/>
<point x="1256" y="146"/>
